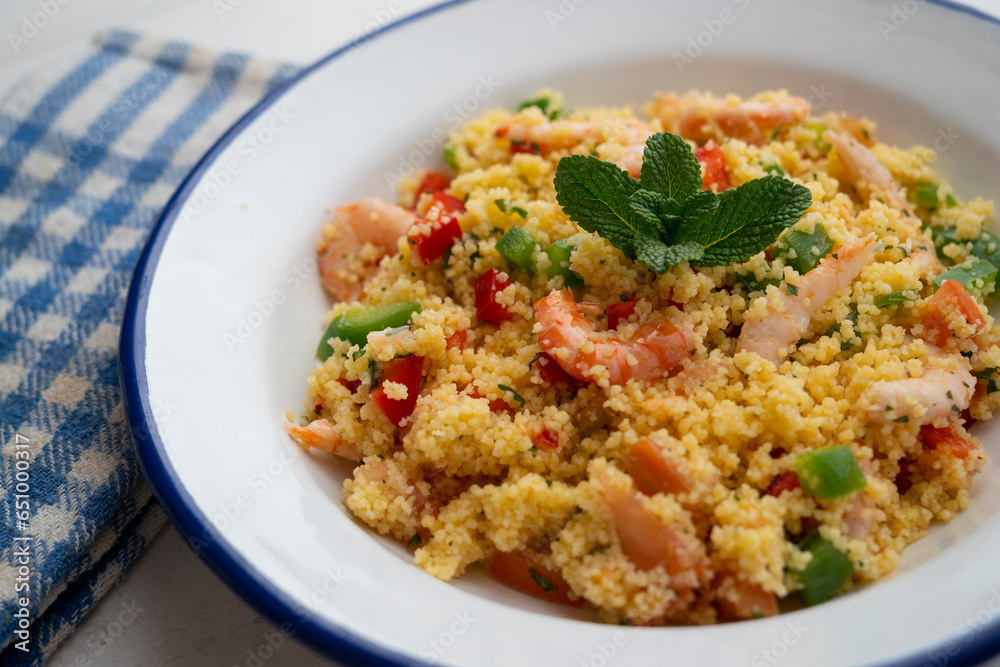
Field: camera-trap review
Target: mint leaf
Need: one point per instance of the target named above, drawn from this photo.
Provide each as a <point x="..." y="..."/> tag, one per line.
<point x="749" y="219"/>
<point x="595" y="194"/>
<point x="659" y="257"/>
<point x="699" y="205"/>
<point x="648" y="205"/>
<point x="669" y="167"/>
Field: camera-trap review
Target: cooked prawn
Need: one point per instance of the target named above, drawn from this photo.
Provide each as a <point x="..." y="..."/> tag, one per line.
<point x="770" y="335"/>
<point x="320" y="434"/>
<point x="345" y="264"/>
<point x="869" y="177"/>
<point x="937" y="393"/>
<point x="569" y="338"/>
<point x="629" y="135"/>
<point x="701" y="116"/>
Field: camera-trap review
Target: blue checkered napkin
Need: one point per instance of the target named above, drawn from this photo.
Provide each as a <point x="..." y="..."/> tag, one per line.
<point x="90" y="151"/>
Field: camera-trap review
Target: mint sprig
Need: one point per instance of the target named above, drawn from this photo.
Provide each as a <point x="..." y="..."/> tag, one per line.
<point x="665" y="218"/>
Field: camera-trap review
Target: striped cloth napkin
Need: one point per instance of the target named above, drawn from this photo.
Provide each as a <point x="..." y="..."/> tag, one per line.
<point x="90" y="151"/>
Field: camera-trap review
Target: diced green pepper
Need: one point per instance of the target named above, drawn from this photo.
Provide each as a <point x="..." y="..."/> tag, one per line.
<point x="751" y="283"/>
<point x="973" y="274"/>
<point x="986" y="246"/>
<point x="355" y="325"/>
<point x="950" y="201"/>
<point x="802" y="251"/>
<point x="830" y="472"/>
<point x="449" y="157"/>
<point x="895" y="298"/>
<point x="926" y="194"/>
<point x="827" y="571"/>
<point x="819" y="128"/>
<point x="774" y="169"/>
<point x="517" y="247"/>
<point x="543" y="105"/>
<point x="559" y="256"/>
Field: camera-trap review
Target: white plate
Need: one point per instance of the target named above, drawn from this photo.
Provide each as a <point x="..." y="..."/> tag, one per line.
<point x="225" y="312"/>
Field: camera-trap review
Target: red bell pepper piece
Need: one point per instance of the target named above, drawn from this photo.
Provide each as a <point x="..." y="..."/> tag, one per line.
<point x="456" y="340"/>
<point x="933" y="438"/>
<point x="552" y="372"/>
<point x="715" y="174"/>
<point x="433" y="181"/>
<point x="407" y="371"/>
<point x="547" y="439"/>
<point x="447" y="203"/>
<point x="431" y="239"/>
<point x="620" y="312"/>
<point x="786" y="481"/>
<point x="488" y="285"/>
<point x="951" y="297"/>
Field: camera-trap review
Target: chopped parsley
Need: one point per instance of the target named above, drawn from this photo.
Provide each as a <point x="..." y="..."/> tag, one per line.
<point x="517" y="396"/>
<point x="542" y="581"/>
<point x="542" y="103"/>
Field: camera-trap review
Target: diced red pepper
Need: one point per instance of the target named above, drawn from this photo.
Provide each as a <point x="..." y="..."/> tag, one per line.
<point x="488" y="285"/>
<point x="524" y="147"/>
<point x="407" y="371"/>
<point x="903" y="480"/>
<point x="522" y="573"/>
<point x="620" y="312"/>
<point x="934" y="437"/>
<point x="786" y="481"/>
<point x="552" y="372"/>
<point x="547" y="439"/>
<point x="433" y="181"/>
<point x="496" y="405"/>
<point x="940" y="308"/>
<point x="715" y="171"/>
<point x="651" y="473"/>
<point x="447" y="203"/>
<point x="350" y="385"/>
<point x="456" y="340"/>
<point x="431" y="239"/>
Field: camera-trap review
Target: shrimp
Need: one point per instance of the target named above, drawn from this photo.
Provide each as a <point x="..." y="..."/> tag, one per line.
<point x="569" y="338"/>
<point x="869" y="177"/>
<point x="320" y="434"/>
<point x="866" y="174"/>
<point x="937" y="393"/>
<point x="629" y="135"/>
<point x="770" y="335"/>
<point x="701" y="117"/>
<point x="344" y="262"/>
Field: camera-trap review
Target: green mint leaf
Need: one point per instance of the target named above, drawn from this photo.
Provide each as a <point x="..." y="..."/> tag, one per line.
<point x="699" y="205"/>
<point x="669" y="167"/>
<point x="659" y="257"/>
<point x="595" y="194"/>
<point x="748" y="219"/>
<point x="648" y="205"/>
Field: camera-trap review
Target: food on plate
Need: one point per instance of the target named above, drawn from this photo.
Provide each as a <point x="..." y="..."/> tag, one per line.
<point x="676" y="370"/>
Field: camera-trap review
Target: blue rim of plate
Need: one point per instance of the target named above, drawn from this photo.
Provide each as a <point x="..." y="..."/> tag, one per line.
<point x="331" y="641"/>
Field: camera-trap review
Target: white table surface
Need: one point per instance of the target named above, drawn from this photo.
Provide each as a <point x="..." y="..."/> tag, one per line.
<point x="170" y="609"/>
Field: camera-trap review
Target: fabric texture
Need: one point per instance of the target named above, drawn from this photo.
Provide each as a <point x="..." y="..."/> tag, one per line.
<point x="91" y="149"/>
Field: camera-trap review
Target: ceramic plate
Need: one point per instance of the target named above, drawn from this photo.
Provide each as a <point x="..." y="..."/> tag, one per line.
<point x="225" y="312"/>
